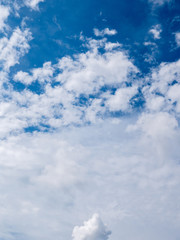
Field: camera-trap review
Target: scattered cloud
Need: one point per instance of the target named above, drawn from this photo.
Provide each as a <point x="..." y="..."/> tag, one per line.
<point x="156" y="31"/>
<point x="4" y="13"/>
<point x="177" y="38"/>
<point x="13" y="48"/>
<point x="85" y="74"/>
<point x="120" y="101"/>
<point x="106" y="31"/>
<point x="162" y="94"/>
<point x="42" y="75"/>
<point x="33" y="3"/>
<point x="53" y="174"/>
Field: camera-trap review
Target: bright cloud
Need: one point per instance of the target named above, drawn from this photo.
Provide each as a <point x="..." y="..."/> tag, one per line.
<point x="85" y="74"/>
<point x="4" y="13"/>
<point x="104" y="32"/>
<point x="121" y="99"/>
<point x="93" y="229"/>
<point x="42" y="75"/>
<point x="13" y="48"/>
<point x="156" y="31"/>
<point x="60" y="178"/>
<point x="33" y="3"/>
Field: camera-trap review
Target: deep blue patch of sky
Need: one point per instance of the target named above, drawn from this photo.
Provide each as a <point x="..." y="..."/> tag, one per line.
<point x="57" y="26"/>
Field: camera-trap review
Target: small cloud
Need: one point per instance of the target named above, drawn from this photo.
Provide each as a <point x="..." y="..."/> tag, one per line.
<point x="106" y="31"/>
<point x="4" y="13"/>
<point x="159" y="2"/>
<point x="33" y="3"/>
<point x="156" y="31"/>
<point x="93" y="229"/>
<point x="177" y="38"/>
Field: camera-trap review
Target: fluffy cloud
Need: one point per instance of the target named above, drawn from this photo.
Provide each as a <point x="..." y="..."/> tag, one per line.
<point x="157" y="125"/>
<point x="12" y="49"/>
<point x="76" y="78"/>
<point x="156" y="31"/>
<point x="42" y="75"/>
<point x="91" y="230"/>
<point x="162" y="94"/>
<point x="33" y="3"/>
<point x="106" y="31"/>
<point x="121" y="99"/>
<point x="84" y="75"/>
<point x="4" y="13"/>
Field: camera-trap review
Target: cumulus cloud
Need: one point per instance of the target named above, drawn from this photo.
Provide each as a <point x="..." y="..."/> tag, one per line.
<point x="159" y="124"/>
<point x="33" y="3"/>
<point x="4" y="13"/>
<point x="161" y="94"/>
<point x="13" y="48"/>
<point x="42" y="75"/>
<point x="76" y="78"/>
<point x="156" y="31"/>
<point x="121" y="99"/>
<point x="106" y="31"/>
<point x="92" y="229"/>
<point x="81" y="76"/>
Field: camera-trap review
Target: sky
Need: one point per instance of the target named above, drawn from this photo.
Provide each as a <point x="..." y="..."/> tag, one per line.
<point x="89" y="119"/>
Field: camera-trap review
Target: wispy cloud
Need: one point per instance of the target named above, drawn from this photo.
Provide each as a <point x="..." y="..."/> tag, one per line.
<point x="106" y="31"/>
<point x="4" y="13"/>
<point x="156" y="31"/>
<point x="33" y="3"/>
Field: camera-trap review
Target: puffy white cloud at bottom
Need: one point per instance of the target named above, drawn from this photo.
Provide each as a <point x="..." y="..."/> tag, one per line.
<point x="93" y="229"/>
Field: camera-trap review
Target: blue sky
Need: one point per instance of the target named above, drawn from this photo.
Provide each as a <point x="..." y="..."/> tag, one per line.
<point x="89" y="119"/>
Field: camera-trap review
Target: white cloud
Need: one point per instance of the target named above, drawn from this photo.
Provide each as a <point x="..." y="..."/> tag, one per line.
<point x="43" y="74"/>
<point x="51" y="181"/>
<point x="174" y="96"/>
<point x="125" y="170"/>
<point x="4" y="13"/>
<point x="92" y="229"/>
<point x="82" y="75"/>
<point x="23" y="77"/>
<point x="162" y="93"/>
<point x="106" y="31"/>
<point x="33" y="3"/>
<point x="177" y="38"/>
<point x="156" y="31"/>
<point x="159" y="125"/>
<point x="121" y="99"/>
<point x="156" y="103"/>
<point x="112" y="67"/>
<point x="12" y="49"/>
